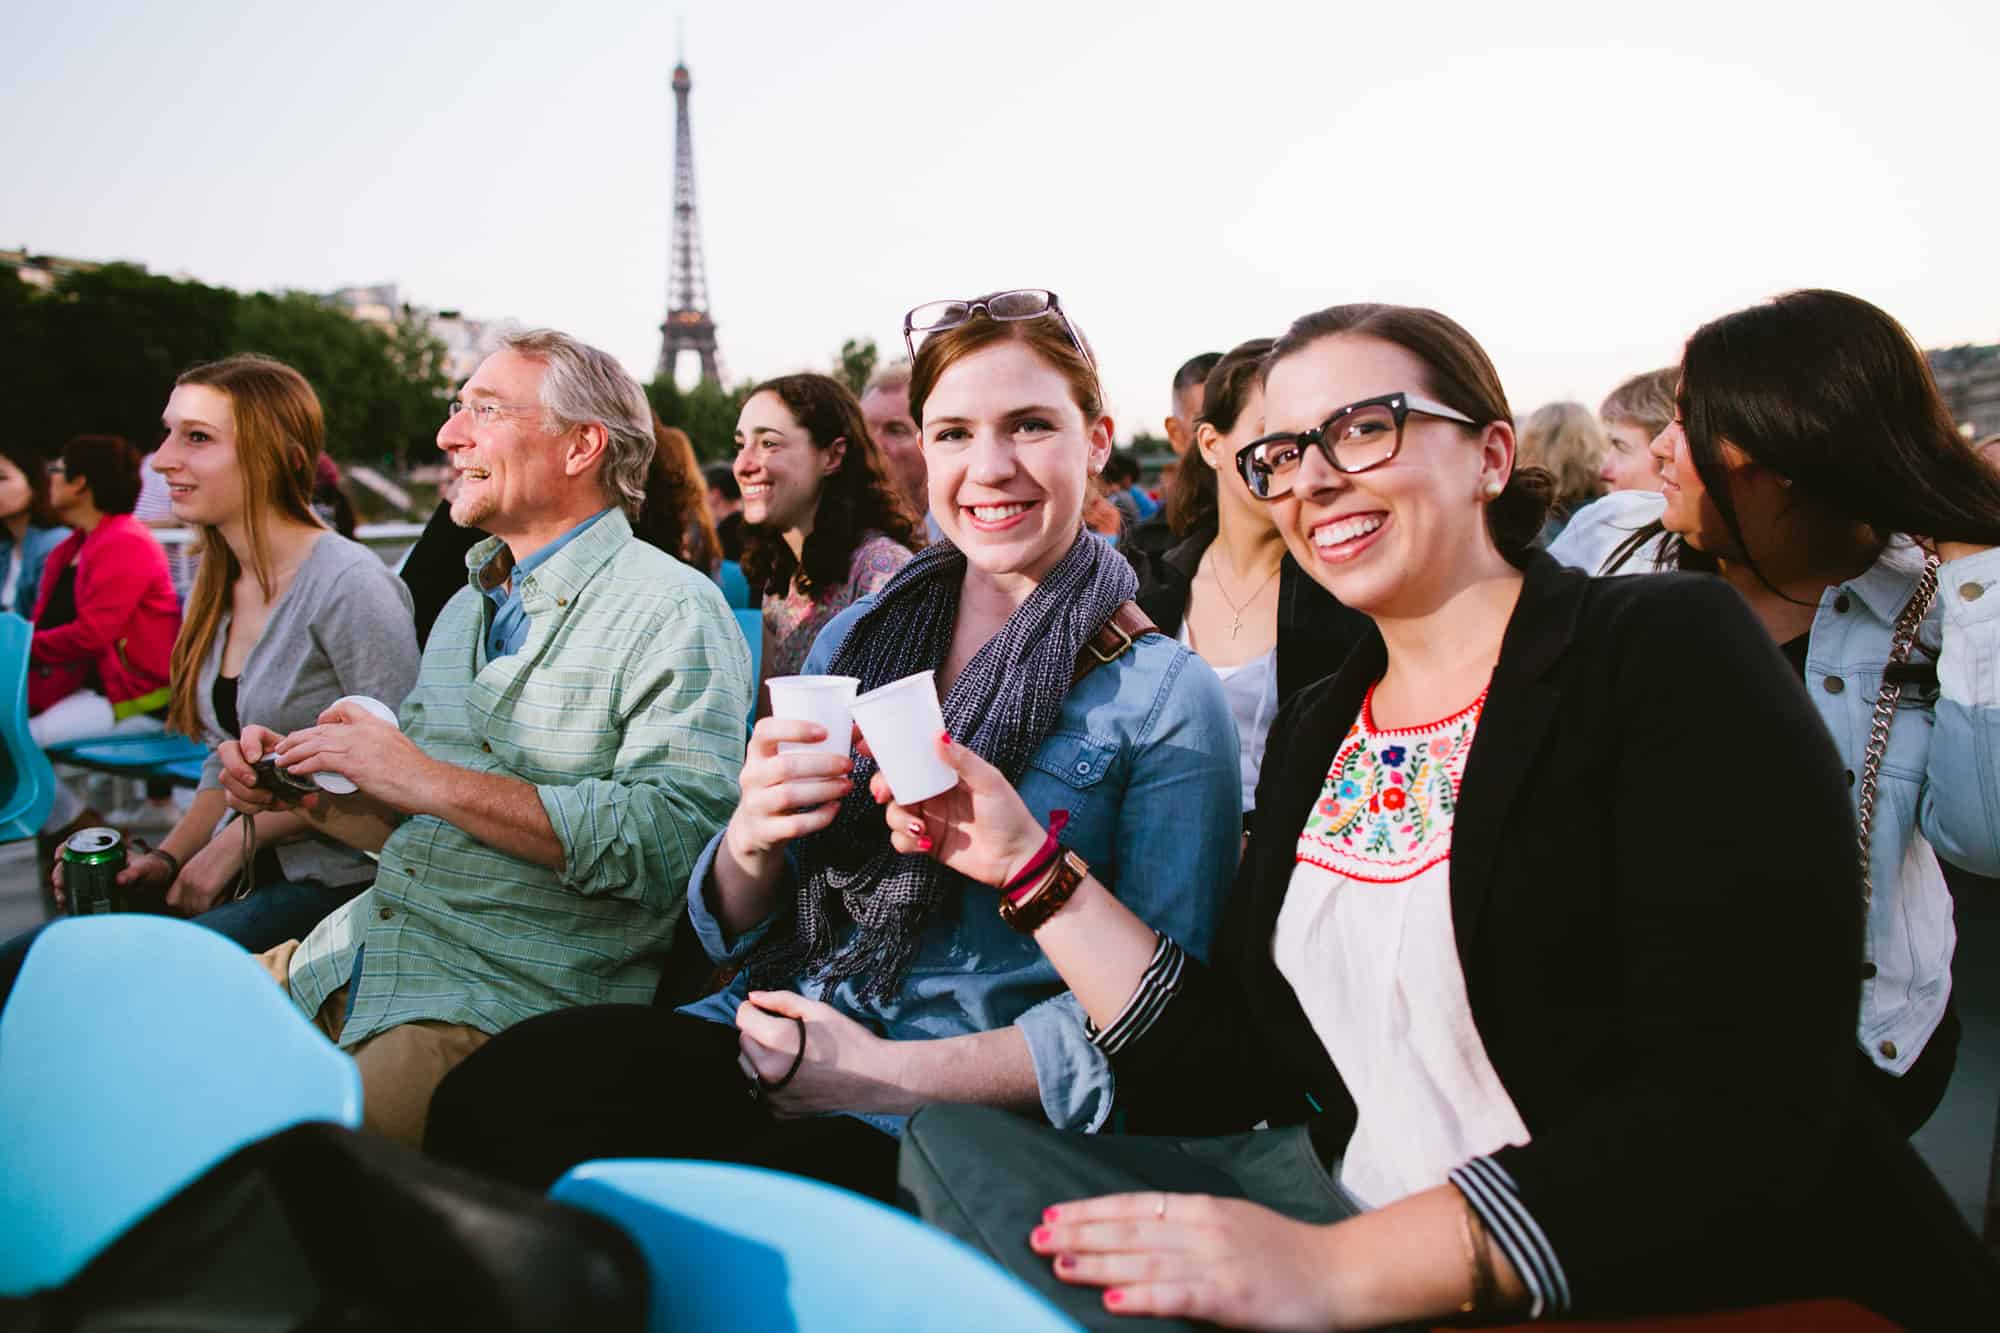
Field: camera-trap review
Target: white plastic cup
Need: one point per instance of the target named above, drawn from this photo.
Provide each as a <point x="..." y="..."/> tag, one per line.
<point x="827" y="700"/>
<point x="340" y="784"/>
<point x="901" y="722"/>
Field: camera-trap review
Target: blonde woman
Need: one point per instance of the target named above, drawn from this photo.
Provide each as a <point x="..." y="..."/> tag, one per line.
<point x="1565" y="440"/>
<point x="285" y="617"/>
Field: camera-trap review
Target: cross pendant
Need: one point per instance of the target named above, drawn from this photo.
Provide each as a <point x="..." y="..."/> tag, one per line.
<point x="1235" y="625"/>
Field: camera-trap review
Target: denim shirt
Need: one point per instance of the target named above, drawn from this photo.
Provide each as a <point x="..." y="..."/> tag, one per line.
<point x="1939" y="785"/>
<point x="1144" y="757"/>
<point x="35" y="547"/>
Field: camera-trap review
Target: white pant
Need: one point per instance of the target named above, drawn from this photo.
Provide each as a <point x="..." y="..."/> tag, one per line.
<point x="86" y="713"/>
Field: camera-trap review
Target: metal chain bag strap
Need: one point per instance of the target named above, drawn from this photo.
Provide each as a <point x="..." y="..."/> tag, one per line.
<point x="1900" y="643"/>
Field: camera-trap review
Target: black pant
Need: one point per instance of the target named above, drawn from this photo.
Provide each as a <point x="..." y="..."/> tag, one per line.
<point x="1909" y="1101"/>
<point x="631" y="1081"/>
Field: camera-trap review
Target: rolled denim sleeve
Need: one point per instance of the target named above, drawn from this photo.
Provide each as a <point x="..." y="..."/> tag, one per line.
<point x="1075" y="1078"/>
<point x="1960" y="814"/>
<point x="715" y="941"/>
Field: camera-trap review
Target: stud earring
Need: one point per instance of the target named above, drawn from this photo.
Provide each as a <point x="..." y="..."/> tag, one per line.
<point x="1493" y="488"/>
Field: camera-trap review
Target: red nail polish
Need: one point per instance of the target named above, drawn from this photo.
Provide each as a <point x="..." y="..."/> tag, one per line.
<point x="1114" y="1297"/>
<point x="1065" y="1262"/>
<point x="1040" y="1237"/>
<point x="924" y="844"/>
<point x="1051" y="1214"/>
<point x="948" y="740"/>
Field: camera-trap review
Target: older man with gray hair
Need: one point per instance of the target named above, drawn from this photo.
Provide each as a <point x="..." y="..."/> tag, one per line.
<point x="572" y="743"/>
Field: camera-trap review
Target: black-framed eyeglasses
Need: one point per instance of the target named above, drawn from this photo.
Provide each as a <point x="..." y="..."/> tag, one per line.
<point x="1357" y="437"/>
<point x="1025" y="303"/>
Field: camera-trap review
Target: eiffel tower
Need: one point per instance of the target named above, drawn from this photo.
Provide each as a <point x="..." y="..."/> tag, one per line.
<point x="687" y="327"/>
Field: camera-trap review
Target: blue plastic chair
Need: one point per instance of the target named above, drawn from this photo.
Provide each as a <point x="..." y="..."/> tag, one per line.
<point x="746" y="1249"/>
<point x="735" y="587"/>
<point x="27" y="783"/>
<point x="135" y="1053"/>
<point x="752" y="625"/>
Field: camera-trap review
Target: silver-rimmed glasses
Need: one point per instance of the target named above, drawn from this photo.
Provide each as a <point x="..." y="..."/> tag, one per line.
<point x="1357" y="437"/>
<point x="1025" y="303"/>
<point x="486" y="411"/>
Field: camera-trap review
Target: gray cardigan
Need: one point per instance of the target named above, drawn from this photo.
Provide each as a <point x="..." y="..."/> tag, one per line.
<point x="343" y="627"/>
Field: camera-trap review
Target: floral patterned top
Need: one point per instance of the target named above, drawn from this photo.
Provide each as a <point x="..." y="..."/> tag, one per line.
<point x="1385" y="813"/>
<point x="793" y="621"/>
<point x="1365" y="938"/>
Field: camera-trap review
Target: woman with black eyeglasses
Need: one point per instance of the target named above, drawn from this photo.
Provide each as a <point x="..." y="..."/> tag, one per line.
<point x="1547" y="1021"/>
<point x="867" y="979"/>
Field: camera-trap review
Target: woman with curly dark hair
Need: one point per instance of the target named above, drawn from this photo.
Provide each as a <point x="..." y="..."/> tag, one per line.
<point x="675" y="516"/>
<point x="824" y="522"/>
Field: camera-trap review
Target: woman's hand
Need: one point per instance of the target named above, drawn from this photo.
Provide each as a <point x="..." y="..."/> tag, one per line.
<point x="1190" y="1256"/>
<point x="209" y="873"/>
<point x="845" y="1067"/>
<point x="239" y="774"/>
<point x="784" y="796"/>
<point x="980" y="828"/>
<point x="144" y="872"/>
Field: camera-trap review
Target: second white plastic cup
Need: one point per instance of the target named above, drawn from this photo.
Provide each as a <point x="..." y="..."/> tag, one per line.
<point x="827" y="700"/>
<point x="901" y="722"/>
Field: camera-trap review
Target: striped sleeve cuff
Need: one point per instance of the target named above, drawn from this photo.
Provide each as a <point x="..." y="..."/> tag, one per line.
<point x="1491" y="1191"/>
<point x="1158" y="985"/>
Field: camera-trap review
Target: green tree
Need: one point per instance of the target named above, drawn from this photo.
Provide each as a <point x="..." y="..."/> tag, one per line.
<point x="708" y="415"/>
<point x="99" y="353"/>
<point x="858" y="357"/>
<point x="665" y="397"/>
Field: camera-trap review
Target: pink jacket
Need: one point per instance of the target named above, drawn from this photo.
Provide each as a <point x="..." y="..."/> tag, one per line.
<point x="127" y="616"/>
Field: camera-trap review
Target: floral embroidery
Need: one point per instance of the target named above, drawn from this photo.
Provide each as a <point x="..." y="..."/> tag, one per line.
<point x="793" y="621"/>
<point x="1385" y="813"/>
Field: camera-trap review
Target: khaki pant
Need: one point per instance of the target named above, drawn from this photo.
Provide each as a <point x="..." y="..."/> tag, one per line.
<point x="400" y="1067"/>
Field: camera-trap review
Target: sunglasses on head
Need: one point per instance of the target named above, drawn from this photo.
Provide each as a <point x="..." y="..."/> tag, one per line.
<point x="1025" y="303"/>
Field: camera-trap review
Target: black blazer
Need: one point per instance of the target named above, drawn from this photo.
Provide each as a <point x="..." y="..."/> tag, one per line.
<point x="1656" y="903"/>
<point x="1315" y="631"/>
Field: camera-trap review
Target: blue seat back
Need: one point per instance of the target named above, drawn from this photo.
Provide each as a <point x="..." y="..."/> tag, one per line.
<point x="735" y="587"/>
<point x="136" y="1052"/>
<point x="27" y="783"/>
<point x="746" y="1249"/>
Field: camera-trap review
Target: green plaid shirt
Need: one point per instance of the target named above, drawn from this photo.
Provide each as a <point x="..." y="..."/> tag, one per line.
<point x="625" y="709"/>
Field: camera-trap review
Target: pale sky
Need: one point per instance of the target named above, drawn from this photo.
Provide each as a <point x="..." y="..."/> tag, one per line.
<point x="1578" y="184"/>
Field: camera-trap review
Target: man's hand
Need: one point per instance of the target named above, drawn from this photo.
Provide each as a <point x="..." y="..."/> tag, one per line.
<point x="845" y="1068"/>
<point x="374" y="755"/>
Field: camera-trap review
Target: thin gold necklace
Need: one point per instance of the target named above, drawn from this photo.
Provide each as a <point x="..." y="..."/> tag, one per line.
<point x="1235" y="611"/>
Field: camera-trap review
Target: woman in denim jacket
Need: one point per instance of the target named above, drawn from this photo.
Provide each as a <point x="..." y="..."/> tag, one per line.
<point x="870" y="982"/>
<point x="1813" y="465"/>
<point x="29" y="529"/>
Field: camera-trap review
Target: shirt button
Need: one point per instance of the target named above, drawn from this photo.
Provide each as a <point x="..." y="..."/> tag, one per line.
<point x="1888" y="1049"/>
<point x="386" y="913"/>
<point x="1868" y="971"/>
<point x="1834" y="684"/>
<point x="1971" y="592"/>
<point x="562" y="601"/>
<point x="1082" y="768"/>
<point x="1842" y="603"/>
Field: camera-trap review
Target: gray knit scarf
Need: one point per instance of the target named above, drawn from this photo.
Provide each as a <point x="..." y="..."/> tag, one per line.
<point x="1002" y="706"/>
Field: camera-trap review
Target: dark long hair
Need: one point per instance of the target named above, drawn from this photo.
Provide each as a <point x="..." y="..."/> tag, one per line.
<point x="856" y="498"/>
<point x="1457" y="373"/>
<point x="1191" y="501"/>
<point x="675" y="515"/>
<point x="1832" y="394"/>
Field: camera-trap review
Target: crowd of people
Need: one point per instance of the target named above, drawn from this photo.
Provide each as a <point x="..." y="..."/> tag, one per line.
<point x="1425" y="862"/>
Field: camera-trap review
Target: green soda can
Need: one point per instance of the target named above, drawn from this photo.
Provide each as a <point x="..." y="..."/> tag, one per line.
<point x="92" y="861"/>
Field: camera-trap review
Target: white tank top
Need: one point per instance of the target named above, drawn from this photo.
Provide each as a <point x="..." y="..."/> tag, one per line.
<point x="1252" y="690"/>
